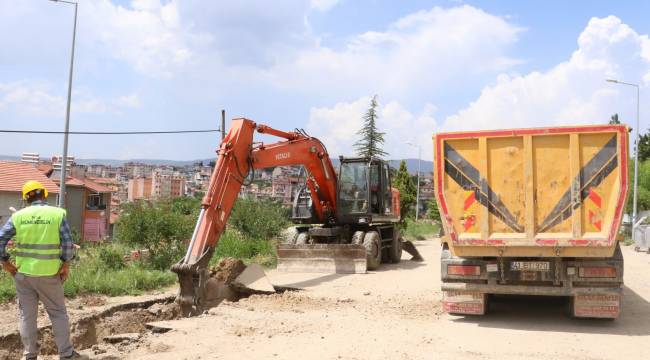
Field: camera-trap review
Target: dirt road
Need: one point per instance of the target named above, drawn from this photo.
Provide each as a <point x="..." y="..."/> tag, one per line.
<point x="395" y="314"/>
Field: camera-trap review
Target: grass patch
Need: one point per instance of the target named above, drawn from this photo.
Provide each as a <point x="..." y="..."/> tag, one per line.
<point x="101" y="270"/>
<point x="420" y="230"/>
<point x="251" y="250"/>
<point x="7" y="288"/>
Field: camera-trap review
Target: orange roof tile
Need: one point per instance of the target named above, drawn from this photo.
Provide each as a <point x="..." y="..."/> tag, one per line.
<point x="69" y="181"/>
<point x="14" y="174"/>
<point x="102" y="180"/>
<point x="91" y="185"/>
<point x="45" y="169"/>
<point x="97" y="187"/>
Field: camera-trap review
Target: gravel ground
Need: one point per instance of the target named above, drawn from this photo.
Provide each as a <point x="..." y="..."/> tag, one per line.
<point x="395" y="313"/>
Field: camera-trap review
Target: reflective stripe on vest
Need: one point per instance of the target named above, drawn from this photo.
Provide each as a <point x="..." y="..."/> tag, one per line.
<point x="38" y="241"/>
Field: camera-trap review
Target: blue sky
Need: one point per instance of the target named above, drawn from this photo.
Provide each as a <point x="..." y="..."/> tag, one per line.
<point x="435" y="66"/>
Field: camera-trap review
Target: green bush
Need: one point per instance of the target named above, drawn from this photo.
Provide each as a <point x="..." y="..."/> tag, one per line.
<point x="259" y="219"/>
<point x="112" y="256"/>
<point x="161" y="227"/>
<point x="234" y="244"/>
<point x="420" y="230"/>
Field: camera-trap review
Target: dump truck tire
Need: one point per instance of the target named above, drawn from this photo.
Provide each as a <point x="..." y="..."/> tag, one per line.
<point x="395" y="250"/>
<point x="302" y="238"/>
<point x="372" y="243"/>
<point x="357" y="238"/>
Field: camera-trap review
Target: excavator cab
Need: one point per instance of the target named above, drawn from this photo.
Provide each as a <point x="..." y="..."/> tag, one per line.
<point x="365" y="194"/>
<point x="362" y="233"/>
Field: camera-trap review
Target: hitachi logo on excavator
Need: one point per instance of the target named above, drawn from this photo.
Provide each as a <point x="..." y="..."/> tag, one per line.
<point x="282" y="156"/>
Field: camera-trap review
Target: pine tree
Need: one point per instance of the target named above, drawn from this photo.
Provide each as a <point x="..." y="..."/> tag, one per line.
<point x="432" y="210"/>
<point x="371" y="138"/>
<point x="613" y="120"/>
<point x="403" y="181"/>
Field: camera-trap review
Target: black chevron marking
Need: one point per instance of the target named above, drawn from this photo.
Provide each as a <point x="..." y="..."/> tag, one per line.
<point x="592" y="174"/>
<point x="469" y="178"/>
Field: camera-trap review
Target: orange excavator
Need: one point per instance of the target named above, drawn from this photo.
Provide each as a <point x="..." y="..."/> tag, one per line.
<point x="345" y="223"/>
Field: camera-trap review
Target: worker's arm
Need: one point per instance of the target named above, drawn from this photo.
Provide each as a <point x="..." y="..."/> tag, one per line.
<point x="67" y="249"/>
<point x="7" y="232"/>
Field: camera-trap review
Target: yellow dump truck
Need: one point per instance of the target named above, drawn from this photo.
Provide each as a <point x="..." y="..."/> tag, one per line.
<point x="532" y="212"/>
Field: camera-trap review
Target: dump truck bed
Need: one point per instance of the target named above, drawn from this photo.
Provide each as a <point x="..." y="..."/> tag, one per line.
<point x="542" y="192"/>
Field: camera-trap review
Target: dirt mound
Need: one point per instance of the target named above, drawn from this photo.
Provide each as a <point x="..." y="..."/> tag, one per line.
<point x="89" y="332"/>
<point x="93" y="300"/>
<point x="291" y="301"/>
<point x="227" y="270"/>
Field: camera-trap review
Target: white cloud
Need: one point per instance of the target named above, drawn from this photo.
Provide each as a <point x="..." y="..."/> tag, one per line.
<point x="129" y="101"/>
<point x="147" y="35"/>
<point x="337" y="127"/>
<point x="415" y="58"/>
<point x="35" y="99"/>
<point x="323" y="5"/>
<point x="571" y="92"/>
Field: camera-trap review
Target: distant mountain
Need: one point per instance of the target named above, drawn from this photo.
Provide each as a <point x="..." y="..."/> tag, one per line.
<point x="426" y="166"/>
<point x="411" y="164"/>
<point x="156" y="162"/>
<point x="9" y="157"/>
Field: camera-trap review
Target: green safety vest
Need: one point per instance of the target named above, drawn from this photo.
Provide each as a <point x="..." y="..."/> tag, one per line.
<point x="37" y="241"/>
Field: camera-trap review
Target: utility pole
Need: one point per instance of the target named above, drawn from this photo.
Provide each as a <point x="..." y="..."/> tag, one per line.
<point x="223" y="124"/>
<point x="636" y="153"/>
<point x="64" y="160"/>
<point x="417" y="196"/>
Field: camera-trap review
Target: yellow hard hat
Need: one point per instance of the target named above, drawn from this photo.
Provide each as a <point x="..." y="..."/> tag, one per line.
<point x="32" y="185"/>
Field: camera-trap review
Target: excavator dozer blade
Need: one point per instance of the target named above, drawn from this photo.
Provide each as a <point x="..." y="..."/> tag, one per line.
<point x="322" y="258"/>
<point x="410" y="248"/>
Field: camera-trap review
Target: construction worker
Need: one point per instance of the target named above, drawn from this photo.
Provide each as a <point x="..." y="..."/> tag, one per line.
<point x="43" y="249"/>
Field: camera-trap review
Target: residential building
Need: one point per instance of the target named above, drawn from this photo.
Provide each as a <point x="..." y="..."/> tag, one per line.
<point x="165" y="183"/>
<point x="88" y="207"/>
<point x="139" y="189"/>
<point x="13" y="175"/>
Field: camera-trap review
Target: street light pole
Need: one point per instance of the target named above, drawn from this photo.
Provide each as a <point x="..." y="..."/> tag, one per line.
<point x="64" y="160"/>
<point x="636" y="152"/>
<point x="417" y="196"/>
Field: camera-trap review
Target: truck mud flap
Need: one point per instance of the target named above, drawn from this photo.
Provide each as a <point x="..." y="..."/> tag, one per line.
<point x="464" y="302"/>
<point x="605" y="306"/>
<point x="322" y="258"/>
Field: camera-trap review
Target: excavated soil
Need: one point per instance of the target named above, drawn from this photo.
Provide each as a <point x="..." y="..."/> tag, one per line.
<point x="227" y="270"/>
<point x="91" y="331"/>
<point x="119" y="329"/>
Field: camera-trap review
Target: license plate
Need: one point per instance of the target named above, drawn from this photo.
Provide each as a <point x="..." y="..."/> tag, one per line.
<point x="530" y="266"/>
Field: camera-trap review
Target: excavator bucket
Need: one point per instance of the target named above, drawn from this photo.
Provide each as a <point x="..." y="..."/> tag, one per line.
<point x="322" y="258"/>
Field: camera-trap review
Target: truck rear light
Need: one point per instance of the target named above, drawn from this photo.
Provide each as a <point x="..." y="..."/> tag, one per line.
<point x="597" y="272"/>
<point x="474" y="270"/>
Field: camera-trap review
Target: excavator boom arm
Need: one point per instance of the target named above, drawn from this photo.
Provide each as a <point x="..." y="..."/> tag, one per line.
<point x="237" y="157"/>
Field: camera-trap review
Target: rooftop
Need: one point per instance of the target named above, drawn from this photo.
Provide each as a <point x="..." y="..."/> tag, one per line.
<point x="13" y="175"/>
<point x="89" y="184"/>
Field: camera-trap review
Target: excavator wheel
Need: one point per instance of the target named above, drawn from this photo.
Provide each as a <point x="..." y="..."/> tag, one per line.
<point x="385" y="256"/>
<point x="302" y="239"/>
<point x="372" y="243"/>
<point x="395" y="251"/>
<point x="357" y="238"/>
